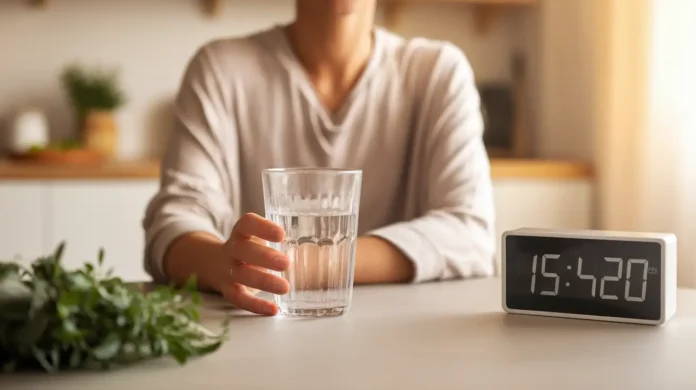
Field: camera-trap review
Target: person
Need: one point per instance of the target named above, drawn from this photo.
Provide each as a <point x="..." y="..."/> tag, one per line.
<point x="329" y="89"/>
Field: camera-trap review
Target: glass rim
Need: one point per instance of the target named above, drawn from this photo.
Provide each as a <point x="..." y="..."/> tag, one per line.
<point x="334" y="171"/>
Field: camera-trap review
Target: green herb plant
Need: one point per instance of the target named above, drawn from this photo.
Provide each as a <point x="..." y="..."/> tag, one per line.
<point x="92" y="89"/>
<point x="64" y="145"/>
<point x="54" y="319"/>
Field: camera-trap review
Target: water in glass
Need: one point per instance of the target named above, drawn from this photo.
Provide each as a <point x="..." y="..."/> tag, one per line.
<point x="321" y="247"/>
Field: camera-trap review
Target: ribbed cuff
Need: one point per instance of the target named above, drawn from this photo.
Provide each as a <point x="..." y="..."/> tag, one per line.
<point x="161" y="240"/>
<point x="427" y="262"/>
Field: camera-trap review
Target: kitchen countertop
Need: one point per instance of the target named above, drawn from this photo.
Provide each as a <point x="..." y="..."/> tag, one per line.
<point x="10" y="170"/>
<point x="447" y="335"/>
<point x="500" y="169"/>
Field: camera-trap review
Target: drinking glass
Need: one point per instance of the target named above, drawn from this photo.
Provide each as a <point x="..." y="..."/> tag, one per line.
<point x="318" y="209"/>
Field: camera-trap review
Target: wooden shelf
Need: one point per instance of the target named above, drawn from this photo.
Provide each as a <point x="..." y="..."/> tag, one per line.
<point x="211" y="8"/>
<point x="11" y="170"/>
<point x="513" y="168"/>
<point x="501" y="168"/>
<point x="476" y="2"/>
<point x="486" y="11"/>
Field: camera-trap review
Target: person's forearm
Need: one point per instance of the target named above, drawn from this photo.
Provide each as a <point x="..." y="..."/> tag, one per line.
<point x="197" y="254"/>
<point x="378" y="261"/>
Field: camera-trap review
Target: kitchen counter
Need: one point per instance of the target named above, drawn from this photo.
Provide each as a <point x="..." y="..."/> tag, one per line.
<point x="501" y="169"/>
<point x="447" y="335"/>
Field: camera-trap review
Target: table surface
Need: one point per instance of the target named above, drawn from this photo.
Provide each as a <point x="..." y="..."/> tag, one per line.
<point x="449" y="335"/>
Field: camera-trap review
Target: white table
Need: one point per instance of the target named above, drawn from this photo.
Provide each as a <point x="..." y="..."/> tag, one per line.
<point x="451" y="335"/>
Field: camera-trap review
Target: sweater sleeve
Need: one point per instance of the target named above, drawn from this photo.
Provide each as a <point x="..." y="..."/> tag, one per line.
<point x="453" y="235"/>
<point x="194" y="192"/>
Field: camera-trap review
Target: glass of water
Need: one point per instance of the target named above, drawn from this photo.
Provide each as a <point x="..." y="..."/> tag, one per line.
<point x="318" y="209"/>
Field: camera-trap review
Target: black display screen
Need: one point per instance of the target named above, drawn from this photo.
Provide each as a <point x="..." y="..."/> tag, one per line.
<point x="583" y="276"/>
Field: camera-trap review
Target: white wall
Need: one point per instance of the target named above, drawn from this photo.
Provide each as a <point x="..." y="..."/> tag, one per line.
<point x="567" y="37"/>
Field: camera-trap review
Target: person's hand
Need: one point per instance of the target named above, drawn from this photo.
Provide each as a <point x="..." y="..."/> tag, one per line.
<point x="250" y="259"/>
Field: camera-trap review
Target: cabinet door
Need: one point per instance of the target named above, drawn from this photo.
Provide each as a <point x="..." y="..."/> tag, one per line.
<point x="22" y="231"/>
<point x="102" y="214"/>
<point x="549" y="204"/>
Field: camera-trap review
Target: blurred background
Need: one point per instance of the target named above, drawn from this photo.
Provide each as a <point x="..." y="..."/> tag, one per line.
<point x="585" y="103"/>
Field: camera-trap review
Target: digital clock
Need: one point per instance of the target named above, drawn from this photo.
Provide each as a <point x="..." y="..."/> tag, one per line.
<point x="597" y="275"/>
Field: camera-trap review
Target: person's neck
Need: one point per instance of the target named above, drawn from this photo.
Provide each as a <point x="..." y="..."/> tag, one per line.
<point x="334" y="52"/>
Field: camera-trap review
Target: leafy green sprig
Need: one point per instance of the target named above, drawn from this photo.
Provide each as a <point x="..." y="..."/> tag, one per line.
<point x="52" y="318"/>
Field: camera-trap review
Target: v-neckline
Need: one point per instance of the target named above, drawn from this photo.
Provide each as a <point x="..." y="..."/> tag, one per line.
<point x="332" y="122"/>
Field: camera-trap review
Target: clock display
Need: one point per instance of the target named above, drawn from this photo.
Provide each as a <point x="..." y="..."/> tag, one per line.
<point x="595" y="277"/>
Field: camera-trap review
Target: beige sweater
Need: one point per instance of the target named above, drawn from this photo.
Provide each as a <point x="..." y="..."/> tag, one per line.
<point x="412" y="124"/>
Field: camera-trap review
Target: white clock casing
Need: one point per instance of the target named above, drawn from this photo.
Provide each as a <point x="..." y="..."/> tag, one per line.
<point x="667" y="272"/>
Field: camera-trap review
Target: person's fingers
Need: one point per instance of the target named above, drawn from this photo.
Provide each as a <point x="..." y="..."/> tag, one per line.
<point x="251" y="224"/>
<point x="259" y="241"/>
<point x="242" y="299"/>
<point x="254" y="277"/>
<point x="250" y="252"/>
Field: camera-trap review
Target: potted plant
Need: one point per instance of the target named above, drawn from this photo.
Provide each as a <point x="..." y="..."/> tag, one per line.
<point x="95" y="94"/>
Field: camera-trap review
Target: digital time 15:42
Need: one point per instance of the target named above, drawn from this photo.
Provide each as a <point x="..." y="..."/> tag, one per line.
<point x="633" y="266"/>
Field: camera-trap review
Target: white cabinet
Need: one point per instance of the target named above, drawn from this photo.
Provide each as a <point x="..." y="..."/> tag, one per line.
<point x="89" y="215"/>
<point x="556" y="204"/>
<point x="22" y="232"/>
